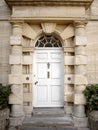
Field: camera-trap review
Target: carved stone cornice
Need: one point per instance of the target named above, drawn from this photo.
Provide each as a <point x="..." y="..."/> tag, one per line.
<point x="85" y="3"/>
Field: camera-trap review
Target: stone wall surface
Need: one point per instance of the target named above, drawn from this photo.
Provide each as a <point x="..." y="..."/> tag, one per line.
<point x="5" y="30"/>
<point x="92" y="51"/>
<point x="92" y="35"/>
<point x="17" y="48"/>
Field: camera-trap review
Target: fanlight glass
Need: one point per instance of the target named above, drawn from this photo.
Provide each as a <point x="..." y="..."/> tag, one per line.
<point x="48" y="41"/>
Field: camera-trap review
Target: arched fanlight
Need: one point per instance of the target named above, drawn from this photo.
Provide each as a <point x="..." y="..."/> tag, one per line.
<point x="48" y="41"/>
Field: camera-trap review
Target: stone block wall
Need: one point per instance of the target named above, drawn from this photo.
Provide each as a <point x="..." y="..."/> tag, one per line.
<point x="5" y="31"/>
<point x="92" y="46"/>
<point x="92" y="51"/>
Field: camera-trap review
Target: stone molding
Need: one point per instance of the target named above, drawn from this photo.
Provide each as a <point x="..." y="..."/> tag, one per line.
<point x="85" y="3"/>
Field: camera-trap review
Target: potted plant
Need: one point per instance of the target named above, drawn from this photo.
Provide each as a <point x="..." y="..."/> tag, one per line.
<point x="91" y="94"/>
<point x="4" y="111"/>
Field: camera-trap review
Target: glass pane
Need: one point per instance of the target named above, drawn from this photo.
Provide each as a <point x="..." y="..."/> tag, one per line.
<point x="48" y="45"/>
<point x="48" y="41"/>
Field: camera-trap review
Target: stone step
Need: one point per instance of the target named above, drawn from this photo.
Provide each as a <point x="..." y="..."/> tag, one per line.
<point x="47" y="128"/>
<point x="33" y="122"/>
<point x="55" y="112"/>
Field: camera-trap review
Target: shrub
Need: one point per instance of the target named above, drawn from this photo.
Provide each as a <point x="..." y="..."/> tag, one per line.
<point x="4" y="94"/>
<point x="91" y="94"/>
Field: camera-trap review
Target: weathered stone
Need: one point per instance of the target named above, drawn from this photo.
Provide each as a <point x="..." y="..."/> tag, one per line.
<point x="48" y="28"/>
<point x="69" y="60"/>
<point x="41" y="12"/>
<point x="80" y="40"/>
<point x="15" y="40"/>
<point x="17" y="111"/>
<point x="79" y="88"/>
<point x="27" y="97"/>
<point x="27" y="78"/>
<point x="68" y="32"/>
<point x="79" y="99"/>
<point x="15" y="99"/>
<point x="80" y="122"/>
<point x="15" y="79"/>
<point x="27" y="60"/>
<point x="80" y="50"/>
<point x="28" y="110"/>
<point x="69" y="79"/>
<point x="68" y="108"/>
<point x="28" y="31"/>
<point x="55" y="19"/>
<point x="80" y="60"/>
<point x="80" y="69"/>
<point x="16" y="50"/>
<point x="16" y="69"/>
<point x="16" y="121"/>
<point x="80" y="79"/>
<point x="15" y="59"/>
<point x="69" y="97"/>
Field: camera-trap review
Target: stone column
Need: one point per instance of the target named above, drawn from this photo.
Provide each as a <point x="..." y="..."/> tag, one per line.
<point x="80" y="79"/>
<point x="15" y="78"/>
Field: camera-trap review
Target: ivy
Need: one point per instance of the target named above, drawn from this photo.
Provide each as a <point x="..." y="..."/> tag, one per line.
<point x="4" y="94"/>
<point x="91" y="94"/>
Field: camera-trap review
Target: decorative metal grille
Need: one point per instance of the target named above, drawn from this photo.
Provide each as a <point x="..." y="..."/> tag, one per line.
<point x="48" y="41"/>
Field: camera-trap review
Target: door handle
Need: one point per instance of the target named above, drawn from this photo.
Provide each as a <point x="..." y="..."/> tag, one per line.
<point x="36" y="82"/>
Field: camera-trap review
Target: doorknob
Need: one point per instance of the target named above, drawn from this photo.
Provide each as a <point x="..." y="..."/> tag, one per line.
<point x="36" y="82"/>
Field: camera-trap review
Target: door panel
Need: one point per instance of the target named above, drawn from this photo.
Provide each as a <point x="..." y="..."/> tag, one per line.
<point x="55" y="70"/>
<point x="48" y="72"/>
<point x="41" y="70"/>
<point x="55" y="97"/>
<point x="42" y="93"/>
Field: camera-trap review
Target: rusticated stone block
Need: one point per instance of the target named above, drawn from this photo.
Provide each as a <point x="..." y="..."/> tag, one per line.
<point x="80" y="60"/>
<point x="14" y="99"/>
<point x="17" y="110"/>
<point x="27" y="78"/>
<point x="69" y="79"/>
<point x="16" y="121"/>
<point x="80" y="50"/>
<point x="69" y="97"/>
<point x="27" y="60"/>
<point x="15" y="79"/>
<point x="28" y="110"/>
<point x="80" y="40"/>
<point x="16" y="50"/>
<point x="79" y="99"/>
<point x="80" y="69"/>
<point x="80" y="122"/>
<point x="27" y="97"/>
<point x="15" y="59"/>
<point x="79" y="88"/>
<point x="16" y="69"/>
<point x="69" y="60"/>
<point x="80" y="79"/>
<point x="15" y="40"/>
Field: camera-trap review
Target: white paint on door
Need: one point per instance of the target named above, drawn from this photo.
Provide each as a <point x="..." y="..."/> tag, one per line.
<point x="48" y="78"/>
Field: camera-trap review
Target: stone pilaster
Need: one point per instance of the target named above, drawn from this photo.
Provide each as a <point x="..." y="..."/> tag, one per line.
<point x="15" y="78"/>
<point x="80" y="79"/>
<point x="68" y="74"/>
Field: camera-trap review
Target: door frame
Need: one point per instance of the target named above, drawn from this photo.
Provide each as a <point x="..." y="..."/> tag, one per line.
<point x="34" y="64"/>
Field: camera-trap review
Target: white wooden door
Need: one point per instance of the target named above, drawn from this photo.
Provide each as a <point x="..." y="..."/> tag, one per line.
<point x="48" y="78"/>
